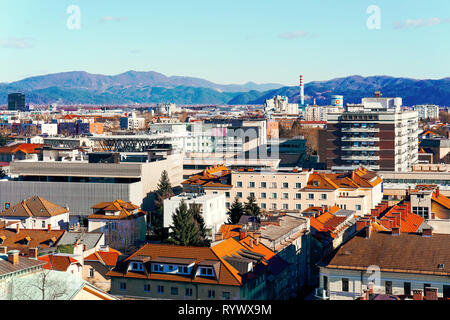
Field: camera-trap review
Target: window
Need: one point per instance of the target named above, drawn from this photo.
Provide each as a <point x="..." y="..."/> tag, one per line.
<point x="227" y="194"/>
<point x="171" y="268"/>
<point x="182" y="269"/>
<point x="263" y="195"/>
<point x="263" y="206"/>
<point x="325" y="283"/>
<point x="263" y="185"/>
<point x="285" y="185"/>
<point x="344" y="284"/>
<point x="206" y="271"/>
<point x="239" y="184"/>
<point x="123" y="286"/>
<point x="158" y="267"/>
<point x="388" y="287"/>
<point x="310" y="195"/>
<point x="239" y="194"/>
<point x="174" y="291"/>
<point x="298" y="185"/>
<point x="227" y="204"/>
<point x="273" y="195"/>
<point x="137" y="266"/>
<point x="298" y="196"/>
<point x="251" y="194"/>
<point x="298" y="206"/>
<point x="273" y="206"/>
<point x="285" y="206"/>
<point x="43" y="224"/>
<point x="273" y="185"/>
<point x="211" y="294"/>
<point x="91" y="272"/>
<point x="285" y="195"/>
<point x="446" y="290"/>
<point x="407" y="288"/>
<point x="188" y="292"/>
<point x="226" y="295"/>
<point x="323" y="196"/>
<point x="146" y="288"/>
<point x="160" y="289"/>
<point x="358" y="207"/>
<point x="251" y="184"/>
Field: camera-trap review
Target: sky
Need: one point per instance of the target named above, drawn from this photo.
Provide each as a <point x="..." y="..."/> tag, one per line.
<point x="233" y="41"/>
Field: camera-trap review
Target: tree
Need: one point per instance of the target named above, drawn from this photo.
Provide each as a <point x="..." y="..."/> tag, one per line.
<point x="235" y="212"/>
<point x="184" y="231"/>
<point x="197" y="214"/>
<point x="3" y="140"/>
<point x="164" y="190"/>
<point x="43" y="285"/>
<point x="2" y="173"/>
<point x="251" y="208"/>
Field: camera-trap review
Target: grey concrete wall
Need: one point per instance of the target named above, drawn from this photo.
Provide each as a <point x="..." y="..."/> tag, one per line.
<point x="80" y="197"/>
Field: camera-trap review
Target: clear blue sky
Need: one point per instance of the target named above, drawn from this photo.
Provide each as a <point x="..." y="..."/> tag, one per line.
<point x="231" y="41"/>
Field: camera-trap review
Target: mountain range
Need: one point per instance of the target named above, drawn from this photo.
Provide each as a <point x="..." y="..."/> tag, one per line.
<point x="80" y="87"/>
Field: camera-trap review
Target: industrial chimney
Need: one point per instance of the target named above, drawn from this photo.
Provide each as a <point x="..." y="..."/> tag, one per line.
<point x="302" y="91"/>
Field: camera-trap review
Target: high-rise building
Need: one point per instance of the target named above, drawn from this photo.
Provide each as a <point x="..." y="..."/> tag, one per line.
<point x="377" y="134"/>
<point x="16" y="101"/>
<point x="427" y="111"/>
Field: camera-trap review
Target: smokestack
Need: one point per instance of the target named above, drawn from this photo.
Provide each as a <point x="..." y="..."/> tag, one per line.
<point x="302" y="91"/>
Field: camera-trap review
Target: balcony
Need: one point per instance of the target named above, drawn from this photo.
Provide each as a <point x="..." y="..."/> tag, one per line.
<point x="360" y="148"/>
<point x="360" y="139"/>
<point x="360" y="129"/>
<point x="353" y="157"/>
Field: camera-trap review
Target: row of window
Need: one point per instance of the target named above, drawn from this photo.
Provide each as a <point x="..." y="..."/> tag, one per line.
<point x="188" y="292"/>
<point x="273" y="185"/>
<point x="388" y="287"/>
<point x="274" y="195"/>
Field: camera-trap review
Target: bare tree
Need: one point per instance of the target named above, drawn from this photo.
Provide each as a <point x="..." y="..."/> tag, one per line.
<point x="42" y="283"/>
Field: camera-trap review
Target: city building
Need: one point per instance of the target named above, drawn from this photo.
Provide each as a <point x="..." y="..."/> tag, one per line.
<point x="377" y="134"/>
<point x="80" y="184"/>
<point x="292" y="189"/>
<point x="212" y="207"/>
<point x="404" y="262"/>
<point x="427" y="112"/>
<point x="132" y="122"/>
<point x="123" y="223"/>
<point x="16" y="101"/>
<point x="280" y="105"/>
<point x="98" y="264"/>
<point x="231" y="270"/>
<point x="37" y="213"/>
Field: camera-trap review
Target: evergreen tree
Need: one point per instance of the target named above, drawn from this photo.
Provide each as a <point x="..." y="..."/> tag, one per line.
<point x="184" y="231"/>
<point x="197" y="215"/>
<point x="163" y="191"/>
<point x="235" y="212"/>
<point x="251" y="208"/>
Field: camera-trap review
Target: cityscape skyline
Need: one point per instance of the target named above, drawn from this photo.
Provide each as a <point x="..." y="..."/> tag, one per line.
<point x="243" y="41"/>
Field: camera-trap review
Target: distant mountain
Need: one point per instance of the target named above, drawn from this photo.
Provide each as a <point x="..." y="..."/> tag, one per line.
<point x="152" y="87"/>
<point x="354" y="88"/>
<point x="98" y="82"/>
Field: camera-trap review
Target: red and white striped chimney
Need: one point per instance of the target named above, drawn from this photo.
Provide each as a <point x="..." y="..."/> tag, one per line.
<point x="302" y="91"/>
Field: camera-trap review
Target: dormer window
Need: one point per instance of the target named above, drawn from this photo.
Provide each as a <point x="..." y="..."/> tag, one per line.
<point x="205" y="271"/>
<point x="183" y="269"/>
<point x="158" y="267"/>
<point x="137" y="266"/>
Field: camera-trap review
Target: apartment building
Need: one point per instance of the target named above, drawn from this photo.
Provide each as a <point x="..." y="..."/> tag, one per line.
<point x="359" y="190"/>
<point x="80" y="184"/>
<point x="427" y="111"/>
<point x="36" y="213"/>
<point x="403" y="262"/>
<point x="377" y="134"/>
<point x="212" y="207"/>
<point x="231" y="270"/>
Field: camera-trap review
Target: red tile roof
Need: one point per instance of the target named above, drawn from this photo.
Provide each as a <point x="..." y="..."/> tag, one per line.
<point x="58" y="263"/>
<point x="108" y="258"/>
<point x="123" y="207"/>
<point x="34" y="207"/>
<point x="24" y="147"/>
